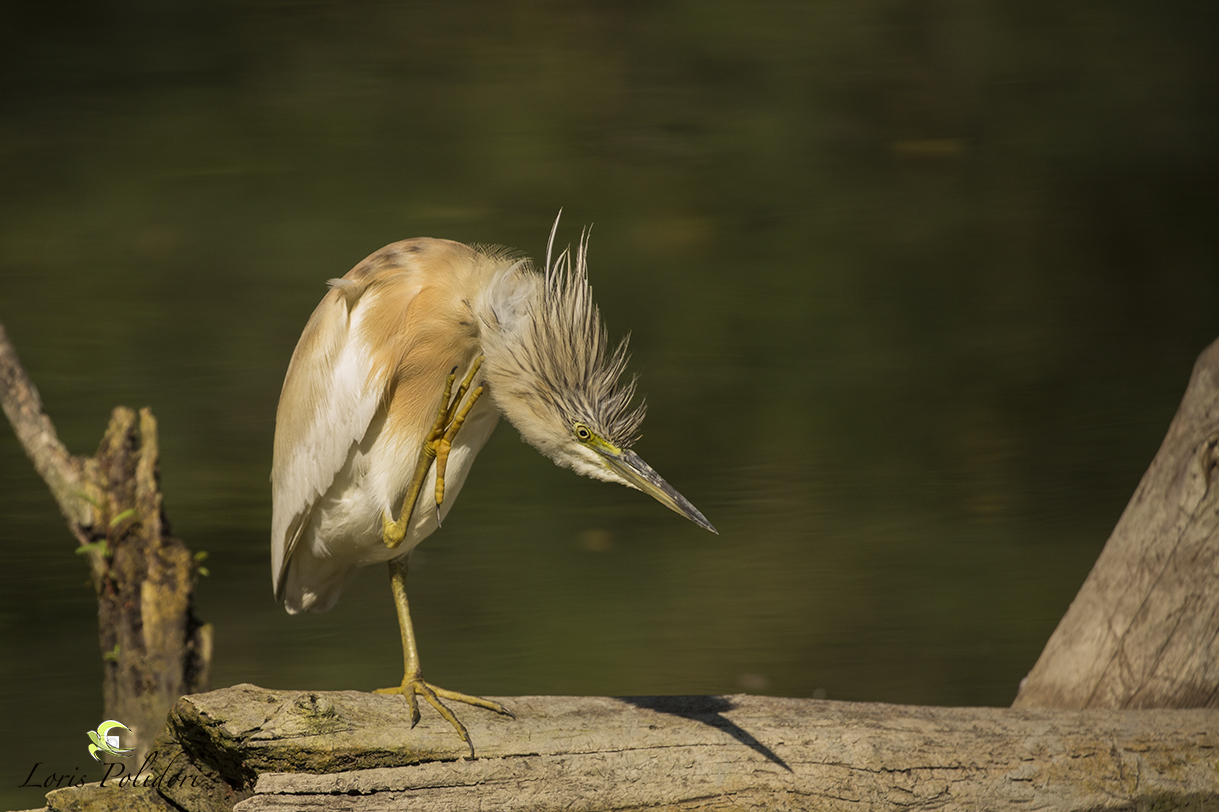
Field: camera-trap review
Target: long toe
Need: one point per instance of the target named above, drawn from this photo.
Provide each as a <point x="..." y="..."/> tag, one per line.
<point x="477" y="701"/>
<point x="412" y="688"/>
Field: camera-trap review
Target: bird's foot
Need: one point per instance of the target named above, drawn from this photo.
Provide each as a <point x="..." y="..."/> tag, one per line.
<point x="413" y="687"/>
<point x="452" y="415"/>
<point x="392" y="532"/>
<point x="439" y="443"/>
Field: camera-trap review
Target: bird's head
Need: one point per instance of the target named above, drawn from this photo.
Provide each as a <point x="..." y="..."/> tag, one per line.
<point x="552" y="374"/>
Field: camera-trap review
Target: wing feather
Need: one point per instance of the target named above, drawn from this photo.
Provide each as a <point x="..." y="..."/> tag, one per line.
<point x="331" y="393"/>
<point x="361" y="391"/>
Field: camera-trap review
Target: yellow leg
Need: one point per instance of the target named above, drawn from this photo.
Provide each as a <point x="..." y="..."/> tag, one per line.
<point x="413" y="685"/>
<point x="445" y="444"/>
<point x="437" y="446"/>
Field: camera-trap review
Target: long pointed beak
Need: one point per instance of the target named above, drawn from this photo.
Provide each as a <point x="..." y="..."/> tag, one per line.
<point x="631" y="467"/>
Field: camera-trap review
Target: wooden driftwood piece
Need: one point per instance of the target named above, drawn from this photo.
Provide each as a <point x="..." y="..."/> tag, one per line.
<point x="1143" y="632"/>
<point x="154" y="649"/>
<point x="251" y="749"/>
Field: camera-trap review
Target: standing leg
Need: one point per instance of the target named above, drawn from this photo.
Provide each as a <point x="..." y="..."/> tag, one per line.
<point x="412" y="677"/>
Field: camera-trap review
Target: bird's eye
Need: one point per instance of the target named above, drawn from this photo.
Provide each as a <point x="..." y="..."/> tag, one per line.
<point x="582" y="432"/>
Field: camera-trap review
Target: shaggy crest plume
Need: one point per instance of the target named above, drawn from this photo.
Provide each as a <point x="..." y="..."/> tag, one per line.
<point x="569" y="350"/>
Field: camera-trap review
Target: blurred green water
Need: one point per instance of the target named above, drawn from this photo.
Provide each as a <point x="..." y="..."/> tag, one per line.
<point x="914" y="289"/>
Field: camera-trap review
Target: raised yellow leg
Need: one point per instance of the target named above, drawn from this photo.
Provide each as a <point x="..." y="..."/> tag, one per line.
<point x="444" y="444"/>
<point x="413" y="685"/>
<point x="437" y="446"/>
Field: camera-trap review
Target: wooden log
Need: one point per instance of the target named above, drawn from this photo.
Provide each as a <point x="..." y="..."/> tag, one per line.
<point x="1143" y="632"/>
<point x="250" y="749"/>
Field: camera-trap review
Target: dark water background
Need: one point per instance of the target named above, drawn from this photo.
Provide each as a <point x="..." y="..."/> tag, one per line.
<point x="914" y="289"/>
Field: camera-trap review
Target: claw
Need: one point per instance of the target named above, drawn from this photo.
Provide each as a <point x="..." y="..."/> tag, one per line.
<point x="445" y="446"/>
<point x="414" y="687"/>
<point x="439" y="443"/>
<point x="454" y="418"/>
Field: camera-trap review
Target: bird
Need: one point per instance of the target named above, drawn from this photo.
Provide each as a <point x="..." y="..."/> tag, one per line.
<point x="399" y="378"/>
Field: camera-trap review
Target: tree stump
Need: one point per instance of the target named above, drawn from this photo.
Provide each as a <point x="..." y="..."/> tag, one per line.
<point x="1143" y="632"/>
<point x="153" y="647"/>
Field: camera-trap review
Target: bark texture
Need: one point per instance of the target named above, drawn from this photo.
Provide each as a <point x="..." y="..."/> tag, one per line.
<point x="250" y="749"/>
<point x="153" y="647"/>
<point x="1143" y="632"/>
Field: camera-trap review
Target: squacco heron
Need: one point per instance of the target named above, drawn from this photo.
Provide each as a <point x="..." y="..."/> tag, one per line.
<point x="398" y="380"/>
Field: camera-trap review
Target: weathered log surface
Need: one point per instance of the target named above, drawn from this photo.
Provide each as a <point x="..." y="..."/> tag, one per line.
<point x="1143" y="632"/>
<point x="250" y="749"/>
